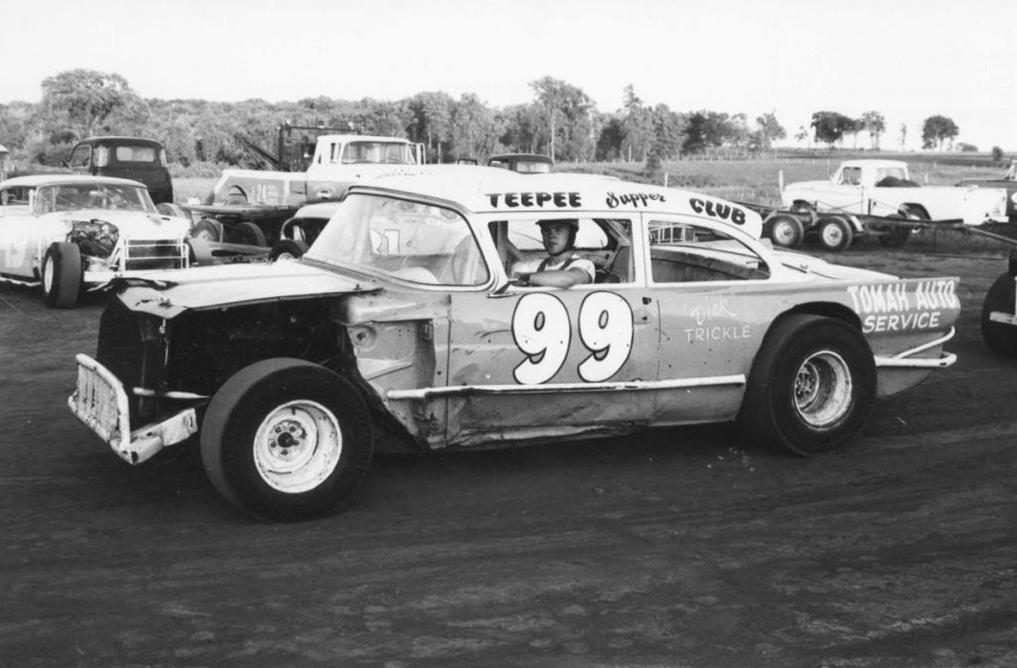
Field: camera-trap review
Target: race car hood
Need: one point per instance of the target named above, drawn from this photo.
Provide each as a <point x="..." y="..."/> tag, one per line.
<point x="133" y="224"/>
<point x="169" y="293"/>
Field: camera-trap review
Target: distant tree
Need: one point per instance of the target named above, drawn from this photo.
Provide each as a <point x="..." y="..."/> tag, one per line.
<point x="997" y="154"/>
<point x="875" y="124"/>
<point x="768" y="129"/>
<point x="83" y="99"/>
<point x="610" y="138"/>
<point x="903" y="136"/>
<point x="936" y="130"/>
<point x="706" y="129"/>
<point x="432" y="121"/>
<point x="637" y="126"/>
<point x="570" y="118"/>
<point x="667" y="135"/>
<point x="802" y="134"/>
<point x="523" y="127"/>
<point x="475" y="130"/>
<point x="830" y="126"/>
<point x="964" y="147"/>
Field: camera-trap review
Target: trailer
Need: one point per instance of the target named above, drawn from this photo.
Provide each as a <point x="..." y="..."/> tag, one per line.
<point x="836" y="231"/>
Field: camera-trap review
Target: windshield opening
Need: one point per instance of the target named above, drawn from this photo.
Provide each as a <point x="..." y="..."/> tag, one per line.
<point x="409" y="241"/>
<point x="75" y="196"/>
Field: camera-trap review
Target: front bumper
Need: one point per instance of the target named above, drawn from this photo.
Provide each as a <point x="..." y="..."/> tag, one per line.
<point x="100" y="401"/>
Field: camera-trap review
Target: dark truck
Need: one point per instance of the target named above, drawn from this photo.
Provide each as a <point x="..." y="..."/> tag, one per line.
<point x="133" y="158"/>
<point x="1006" y="180"/>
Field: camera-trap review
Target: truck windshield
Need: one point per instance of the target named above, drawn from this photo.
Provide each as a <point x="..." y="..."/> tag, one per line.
<point x="393" y="153"/>
<point x="408" y="241"/>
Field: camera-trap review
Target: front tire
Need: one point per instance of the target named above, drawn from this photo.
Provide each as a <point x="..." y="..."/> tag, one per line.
<point x="286" y="440"/>
<point x="812" y="385"/>
<point x="1000" y="337"/>
<point x="61" y="275"/>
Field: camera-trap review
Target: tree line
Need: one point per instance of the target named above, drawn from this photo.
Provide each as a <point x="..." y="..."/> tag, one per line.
<point x="561" y="120"/>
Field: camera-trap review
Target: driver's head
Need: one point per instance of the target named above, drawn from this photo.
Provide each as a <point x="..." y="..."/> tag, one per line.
<point x="559" y="236"/>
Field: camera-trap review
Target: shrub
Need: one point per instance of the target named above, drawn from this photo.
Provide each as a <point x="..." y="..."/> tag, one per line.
<point x="997" y="154"/>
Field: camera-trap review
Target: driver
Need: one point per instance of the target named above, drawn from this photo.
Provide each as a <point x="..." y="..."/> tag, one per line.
<point x="561" y="268"/>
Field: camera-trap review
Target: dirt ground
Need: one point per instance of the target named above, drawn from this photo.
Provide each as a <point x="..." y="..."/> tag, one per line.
<point x="685" y="547"/>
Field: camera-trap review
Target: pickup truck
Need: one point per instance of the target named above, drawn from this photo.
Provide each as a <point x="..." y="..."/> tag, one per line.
<point x="1007" y="180"/>
<point x="884" y="188"/>
<point x="249" y="206"/>
<point x="338" y="161"/>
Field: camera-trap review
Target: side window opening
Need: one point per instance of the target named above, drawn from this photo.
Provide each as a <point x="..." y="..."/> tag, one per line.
<point x="686" y="252"/>
<point x="606" y="242"/>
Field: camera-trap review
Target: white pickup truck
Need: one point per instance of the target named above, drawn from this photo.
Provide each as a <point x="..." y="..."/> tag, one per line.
<point x="884" y="188"/>
<point x="338" y="161"/>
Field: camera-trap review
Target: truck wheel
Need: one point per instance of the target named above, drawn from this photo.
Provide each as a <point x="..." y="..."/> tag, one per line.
<point x="207" y="229"/>
<point x="786" y="231"/>
<point x="835" y="233"/>
<point x="248" y="233"/>
<point x="898" y="236"/>
<point x="895" y="237"/>
<point x="284" y="439"/>
<point x="61" y="275"/>
<point x="1000" y="337"/>
<point x="287" y="249"/>
<point x="811" y="387"/>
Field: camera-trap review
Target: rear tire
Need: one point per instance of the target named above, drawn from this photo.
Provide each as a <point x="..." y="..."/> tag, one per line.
<point x="286" y="440"/>
<point x="1000" y="337"/>
<point x="812" y="385"/>
<point x="62" y="274"/>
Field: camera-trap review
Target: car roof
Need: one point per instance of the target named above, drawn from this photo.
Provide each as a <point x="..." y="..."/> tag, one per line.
<point x="481" y="190"/>
<point x="348" y="138"/>
<point x="536" y="157"/>
<point x="874" y="163"/>
<point x="119" y="139"/>
<point x="36" y="180"/>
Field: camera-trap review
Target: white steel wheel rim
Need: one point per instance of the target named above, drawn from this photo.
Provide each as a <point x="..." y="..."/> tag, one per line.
<point x="832" y="235"/>
<point x="286" y="255"/>
<point x="297" y="446"/>
<point x="47" y="274"/>
<point x="782" y="233"/>
<point x="822" y="389"/>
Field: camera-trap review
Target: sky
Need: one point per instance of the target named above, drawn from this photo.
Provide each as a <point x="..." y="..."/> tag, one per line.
<point x="909" y="59"/>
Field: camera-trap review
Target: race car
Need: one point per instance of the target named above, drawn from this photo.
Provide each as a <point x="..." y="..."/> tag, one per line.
<point x="75" y="232"/>
<point x="403" y="327"/>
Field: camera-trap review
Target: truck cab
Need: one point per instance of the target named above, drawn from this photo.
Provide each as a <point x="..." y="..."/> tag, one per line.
<point x="338" y="161"/>
<point x="135" y="158"/>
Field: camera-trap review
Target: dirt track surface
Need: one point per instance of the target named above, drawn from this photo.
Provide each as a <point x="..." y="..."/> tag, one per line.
<point x="686" y="547"/>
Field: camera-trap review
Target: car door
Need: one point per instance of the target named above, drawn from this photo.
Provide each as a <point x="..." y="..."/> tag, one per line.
<point x="538" y="363"/>
<point x="716" y="303"/>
